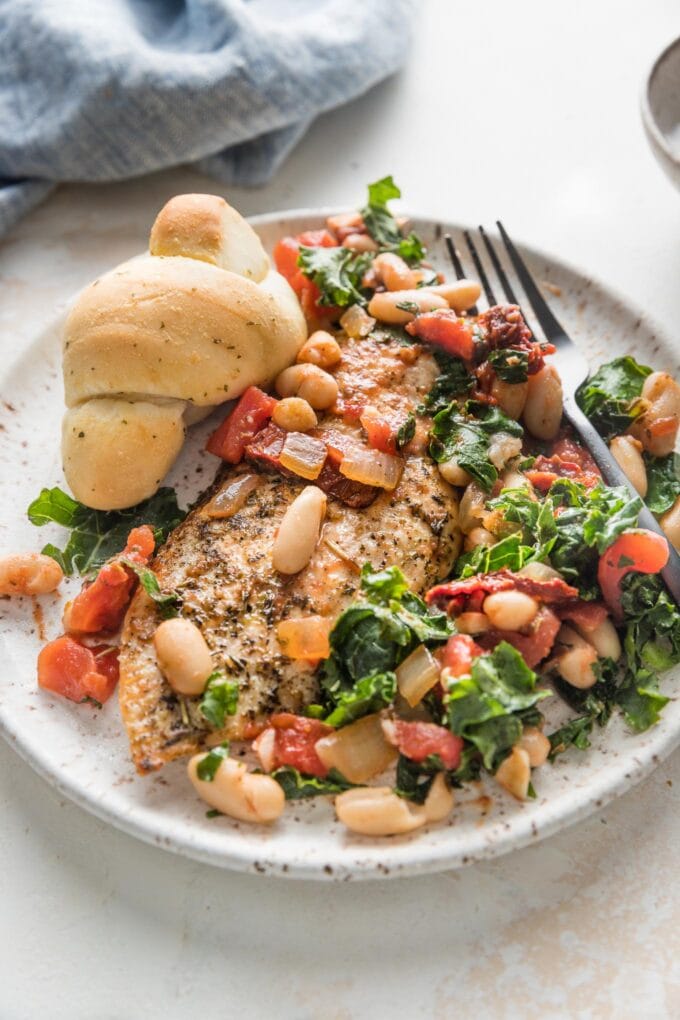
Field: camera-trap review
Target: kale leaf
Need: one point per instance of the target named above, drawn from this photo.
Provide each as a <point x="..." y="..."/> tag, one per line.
<point x="490" y="707"/>
<point x="337" y="272"/>
<point x="663" y="481"/>
<point x="371" y="637"/>
<point x="167" y="603"/>
<point x="220" y="698"/>
<point x="466" y="433"/>
<point x="609" y="397"/>
<point x="382" y="225"/>
<point x="370" y="694"/>
<point x="406" y="430"/>
<point x="453" y="381"/>
<point x="296" y="786"/>
<point x="97" y="535"/>
<point x="208" y="766"/>
<point x="512" y="366"/>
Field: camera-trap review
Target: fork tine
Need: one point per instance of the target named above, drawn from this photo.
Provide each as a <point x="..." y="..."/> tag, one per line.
<point x="551" y="327"/>
<point x="457" y="266"/>
<point x="500" y="272"/>
<point x="484" y="280"/>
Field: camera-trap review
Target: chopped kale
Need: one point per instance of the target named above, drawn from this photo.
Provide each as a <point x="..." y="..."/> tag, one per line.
<point x="167" y="603"/>
<point x="609" y="397"/>
<point x="406" y="431"/>
<point x="453" y="381"/>
<point x="97" y="535"/>
<point x="207" y="767"/>
<point x="510" y="365"/>
<point x="220" y="698"/>
<point x="663" y="481"/>
<point x="382" y="225"/>
<point x="337" y="272"/>
<point x="296" y="786"/>
<point x="465" y="433"/>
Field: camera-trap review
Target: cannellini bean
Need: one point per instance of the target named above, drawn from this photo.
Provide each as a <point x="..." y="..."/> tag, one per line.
<point x="395" y="273"/>
<point x="536" y="745"/>
<point x="511" y="397"/>
<point x="540" y="571"/>
<point x="236" y="792"/>
<point x="183" y="655"/>
<point x="378" y="811"/>
<point x="459" y="294"/>
<point x="29" y="574"/>
<point x="384" y="305"/>
<point x="514" y="773"/>
<point x="294" y="415"/>
<point x="502" y="448"/>
<point x="453" y="473"/>
<point x="543" y="408"/>
<point x="344" y="222"/>
<point x="657" y="426"/>
<point x="472" y="623"/>
<point x="575" y="665"/>
<point x="670" y="522"/>
<point x="471" y="511"/>
<point x="479" y="536"/>
<point x="298" y="532"/>
<point x="514" y="479"/>
<point x="321" y="349"/>
<point x="360" y="242"/>
<point x="510" y="610"/>
<point x="604" y="639"/>
<point x="627" y="452"/>
<point x="310" y="382"/>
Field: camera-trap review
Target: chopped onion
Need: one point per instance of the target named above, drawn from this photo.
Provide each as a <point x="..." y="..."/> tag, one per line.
<point x="303" y="454"/>
<point x="359" y="751"/>
<point x="264" y="747"/>
<point x="229" y="500"/>
<point x="356" y="322"/>
<point x="417" y="675"/>
<point x="372" y="467"/>
<point x="304" y="637"/>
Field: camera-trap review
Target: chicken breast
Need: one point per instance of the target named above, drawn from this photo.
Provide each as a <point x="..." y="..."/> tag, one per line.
<point x="222" y="569"/>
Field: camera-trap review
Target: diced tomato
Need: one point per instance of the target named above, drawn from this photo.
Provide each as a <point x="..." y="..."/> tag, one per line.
<point x="534" y="646"/>
<point x="140" y="545"/>
<point x="447" y="330"/>
<point x="418" y="740"/>
<point x="587" y="615"/>
<point x="546" y="470"/>
<point x="101" y="604"/>
<point x="638" y="550"/>
<point x="241" y="425"/>
<point x="550" y="591"/>
<point x="295" y="737"/>
<point x="458" y="654"/>
<point x="68" y="668"/>
<point x="568" y="449"/>
<point x="381" y="432"/>
<point x="286" y="255"/>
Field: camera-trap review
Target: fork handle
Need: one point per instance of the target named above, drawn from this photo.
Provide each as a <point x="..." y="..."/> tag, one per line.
<point x="613" y="475"/>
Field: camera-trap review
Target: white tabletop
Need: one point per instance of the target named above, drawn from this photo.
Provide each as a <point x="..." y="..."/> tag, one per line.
<point x="524" y="110"/>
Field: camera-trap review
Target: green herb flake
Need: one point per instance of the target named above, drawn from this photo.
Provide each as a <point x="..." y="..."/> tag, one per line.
<point x="406" y="431"/>
<point x="337" y="272"/>
<point x="220" y="698"/>
<point x="206" y="770"/>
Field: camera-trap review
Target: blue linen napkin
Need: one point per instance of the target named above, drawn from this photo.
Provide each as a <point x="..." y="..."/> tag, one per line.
<point x="100" y="90"/>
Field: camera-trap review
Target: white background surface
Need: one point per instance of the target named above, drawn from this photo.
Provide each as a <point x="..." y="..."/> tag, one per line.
<point x="528" y="111"/>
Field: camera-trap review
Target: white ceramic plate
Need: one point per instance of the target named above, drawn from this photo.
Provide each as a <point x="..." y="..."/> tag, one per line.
<point x="83" y="752"/>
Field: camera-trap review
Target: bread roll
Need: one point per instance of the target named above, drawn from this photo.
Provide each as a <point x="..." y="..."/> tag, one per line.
<point x="162" y="339"/>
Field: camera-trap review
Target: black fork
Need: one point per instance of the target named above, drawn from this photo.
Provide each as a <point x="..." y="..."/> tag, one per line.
<point x="573" y="367"/>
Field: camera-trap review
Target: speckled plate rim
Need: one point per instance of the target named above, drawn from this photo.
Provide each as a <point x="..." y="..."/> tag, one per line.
<point x="364" y="858"/>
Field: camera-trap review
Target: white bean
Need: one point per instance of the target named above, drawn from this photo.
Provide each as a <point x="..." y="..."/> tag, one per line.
<point x="384" y="305"/>
<point x="321" y="349"/>
<point x="479" y="536"/>
<point x="298" y="532"/>
<point x="514" y="773"/>
<point x="459" y="294"/>
<point x="29" y="574"/>
<point x="236" y="792"/>
<point x="575" y="665"/>
<point x="626" y="451"/>
<point x="536" y="745"/>
<point x="604" y="639"/>
<point x="511" y="397"/>
<point x="510" y="610"/>
<point x="657" y="427"/>
<point x="670" y="522"/>
<point x="543" y="408"/>
<point x="294" y="415"/>
<point x="360" y="242"/>
<point x="471" y="511"/>
<point x="502" y="448"/>
<point x="472" y="623"/>
<point x="310" y="382"/>
<point x="183" y="656"/>
<point x="378" y="811"/>
<point x="453" y="473"/>
<point x="539" y="571"/>
<point x="395" y="273"/>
